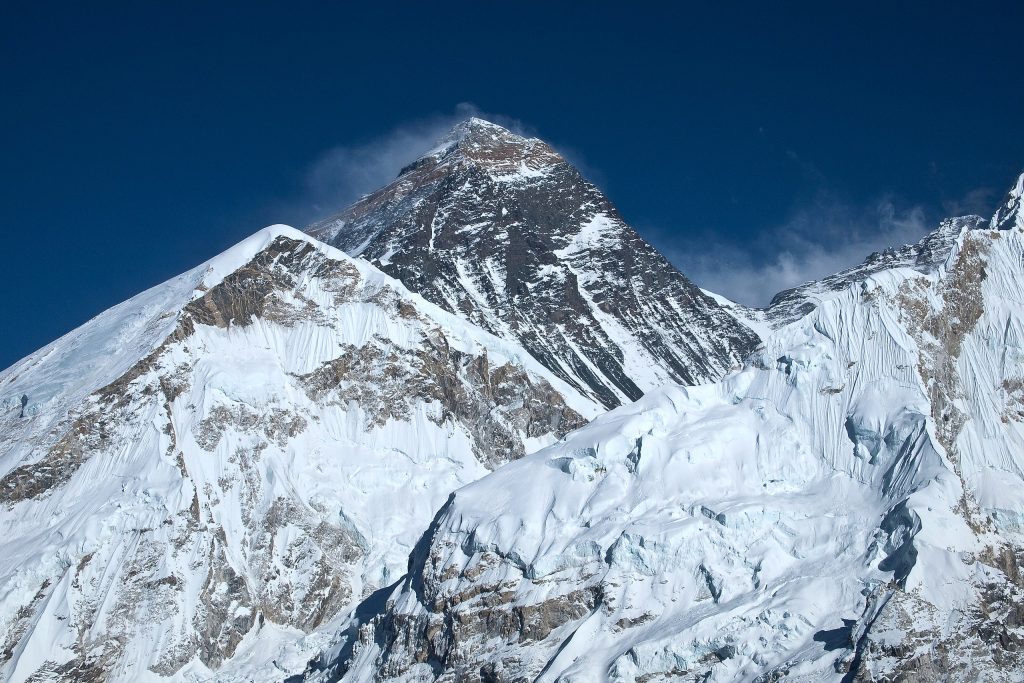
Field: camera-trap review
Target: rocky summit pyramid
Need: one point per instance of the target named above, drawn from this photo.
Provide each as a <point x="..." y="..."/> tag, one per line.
<point x="503" y="231"/>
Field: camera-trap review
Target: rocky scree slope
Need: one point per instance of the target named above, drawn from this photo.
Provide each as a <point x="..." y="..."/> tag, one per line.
<point x="501" y="230"/>
<point x="847" y="506"/>
<point x="210" y="473"/>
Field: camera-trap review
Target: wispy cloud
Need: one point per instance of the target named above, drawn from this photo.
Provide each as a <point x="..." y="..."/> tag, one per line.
<point x="823" y="235"/>
<point x="343" y="174"/>
<point x="978" y="202"/>
<point x="819" y="239"/>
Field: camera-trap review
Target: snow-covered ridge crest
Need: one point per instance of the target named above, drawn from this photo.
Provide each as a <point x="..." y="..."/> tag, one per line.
<point x="927" y="255"/>
<point x="216" y="500"/>
<point x="103" y="348"/>
<point x="1010" y="213"/>
<point x="846" y="506"/>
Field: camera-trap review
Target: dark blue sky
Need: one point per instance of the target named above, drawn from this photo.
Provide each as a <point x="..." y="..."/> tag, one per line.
<point x="754" y="144"/>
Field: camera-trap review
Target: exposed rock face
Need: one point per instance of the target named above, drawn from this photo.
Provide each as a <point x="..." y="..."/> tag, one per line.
<point x="847" y="507"/>
<point x="501" y="230"/>
<point x="254" y="473"/>
<point x="981" y="640"/>
<point x="497" y="406"/>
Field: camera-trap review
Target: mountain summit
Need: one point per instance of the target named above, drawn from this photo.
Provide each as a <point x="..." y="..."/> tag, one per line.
<point x="502" y="230"/>
<point x="1011" y="211"/>
<point x="494" y="147"/>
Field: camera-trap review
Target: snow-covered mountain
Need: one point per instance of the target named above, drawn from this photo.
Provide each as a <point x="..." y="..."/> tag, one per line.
<point x="847" y="506"/>
<point x="211" y="472"/>
<point x="293" y="463"/>
<point x="503" y="231"/>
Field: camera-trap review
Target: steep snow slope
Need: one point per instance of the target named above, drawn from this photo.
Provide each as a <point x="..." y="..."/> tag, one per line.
<point x="501" y="230"/>
<point x="846" y="506"/>
<point x="230" y="460"/>
<point x="933" y="249"/>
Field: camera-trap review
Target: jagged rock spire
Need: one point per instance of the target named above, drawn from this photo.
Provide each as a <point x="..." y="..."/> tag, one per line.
<point x="1010" y="213"/>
